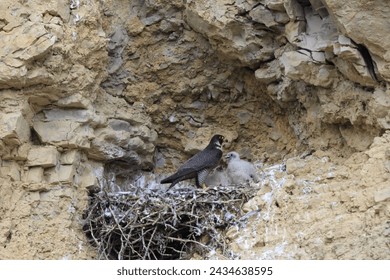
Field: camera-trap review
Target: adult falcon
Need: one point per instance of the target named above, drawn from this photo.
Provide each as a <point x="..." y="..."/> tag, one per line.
<point x="200" y="165"/>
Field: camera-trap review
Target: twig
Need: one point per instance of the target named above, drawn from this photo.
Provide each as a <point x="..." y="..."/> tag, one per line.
<point x="136" y="223"/>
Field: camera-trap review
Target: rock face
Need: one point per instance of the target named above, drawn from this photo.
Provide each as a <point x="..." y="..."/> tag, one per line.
<point x="320" y="208"/>
<point x="135" y="88"/>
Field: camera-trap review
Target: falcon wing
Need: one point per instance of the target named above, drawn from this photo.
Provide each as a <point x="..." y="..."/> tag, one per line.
<point x="180" y="175"/>
<point x="202" y="160"/>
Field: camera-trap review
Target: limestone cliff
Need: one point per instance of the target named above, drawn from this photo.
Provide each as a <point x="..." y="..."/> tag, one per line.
<point x="131" y="88"/>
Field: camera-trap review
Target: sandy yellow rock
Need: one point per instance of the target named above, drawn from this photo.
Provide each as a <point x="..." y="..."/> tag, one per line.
<point x="34" y="174"/>
<point x="156" y="82"/>
<point x="14" y="128"/>
<point x="45" y="156"/>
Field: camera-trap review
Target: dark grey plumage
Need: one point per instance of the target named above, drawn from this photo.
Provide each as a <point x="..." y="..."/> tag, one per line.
<point x="200" y="165"/>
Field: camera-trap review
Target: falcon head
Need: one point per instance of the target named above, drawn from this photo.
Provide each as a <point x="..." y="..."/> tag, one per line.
<point x="232" y="156"/>
<point x="216" y="141"/>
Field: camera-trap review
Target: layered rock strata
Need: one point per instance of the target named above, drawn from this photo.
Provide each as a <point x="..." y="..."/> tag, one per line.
<point x="91" y="90"/>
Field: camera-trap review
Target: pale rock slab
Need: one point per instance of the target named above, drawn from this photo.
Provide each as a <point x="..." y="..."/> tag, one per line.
<point x="117" y="136"/>
<point x="70" y="157"/>
<point x="293" y="31"/>
<point x="319" y="34"/>
<point x="18" y="153"/>
<point x="10" y="76"/>
<point x="76" y="115"/>
<point x="59" y="8"/>
<point x="10" y="169"/>
<point x="380" y="104"/>
<point x="362" y="21"/>
<point x="298" y="66"/>
<point x="118" y="125"/>
<point x="102" y="150"/>
<point x="61" y="174"/>
<point x="22" y="151"/>
<point x="145" y="133"/>
<point x="382" y="195"/>
<point x="262" y="15"/>
<point x="233" y="40"/>
<point x="356" y="138"/>
<point x="136" y="143"/>
<point x="281" y="17"/>
<point x="64" y="133"/>
<point x="89" y="175"/>
<point x="120" y="138"/>
<point x="295" y="165"/>
<point x="276" y="5"/>
<point x="294" y="10"/>
<point x="20" y="44"/>
<point x="66" y="173"/>
<point x="45" y="156"/>
<point x="74" y="101"/>
<point x="280" y="92"/>
<point x="39" y="48"/>
<point x="34" y="174"/>
<point x="14" y="129"/>
<point x="135" y="26"/>
<point x="135" y="115"/>
<point x="269" y="73"/>
<point x="350" y="61"/>
<point x="384" y="122"/>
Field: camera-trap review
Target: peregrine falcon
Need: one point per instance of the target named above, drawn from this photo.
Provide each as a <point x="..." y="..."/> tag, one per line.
<point x="200" y="165"/>
<point x="240" y="171"/>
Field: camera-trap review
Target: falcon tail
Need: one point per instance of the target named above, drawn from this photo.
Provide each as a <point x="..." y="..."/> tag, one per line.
<point x="166" y="180"/>
<point x="171" y="179"/>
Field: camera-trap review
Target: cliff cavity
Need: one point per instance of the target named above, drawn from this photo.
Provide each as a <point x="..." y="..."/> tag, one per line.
<point x="128" y="90"/>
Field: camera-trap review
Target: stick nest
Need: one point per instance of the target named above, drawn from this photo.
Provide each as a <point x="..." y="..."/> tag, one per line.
<point x="155" y="224"/>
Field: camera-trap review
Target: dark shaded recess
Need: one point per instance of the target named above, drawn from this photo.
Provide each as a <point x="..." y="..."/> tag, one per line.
<point x="367" y="60"/>
<point x="34" y="137"/>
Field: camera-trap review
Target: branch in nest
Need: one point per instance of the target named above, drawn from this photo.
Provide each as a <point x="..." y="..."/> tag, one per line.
<point x="154" y="224"/>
